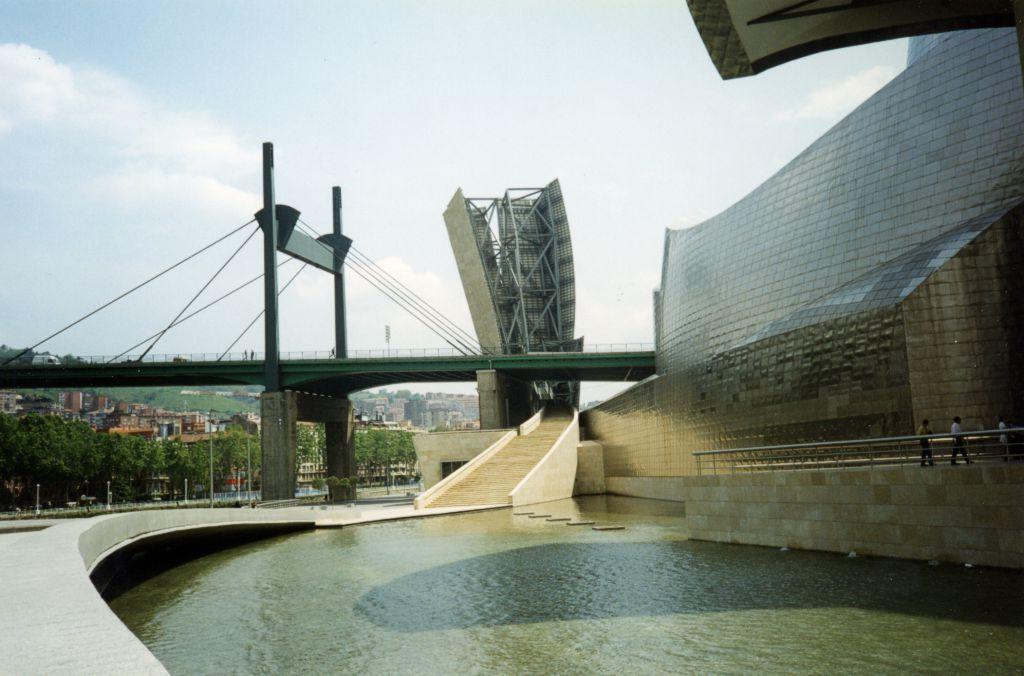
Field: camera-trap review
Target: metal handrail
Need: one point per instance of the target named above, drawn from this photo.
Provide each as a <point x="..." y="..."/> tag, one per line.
<point x="853" y="442"/>
<point x="879" y="451"/>
<point x="208" y="357"/>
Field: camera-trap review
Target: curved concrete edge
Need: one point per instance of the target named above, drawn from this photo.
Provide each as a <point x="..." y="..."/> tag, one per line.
<point x="554" y="477"/>
<point x="52" y="619"/>
<point x="532" y="423"/>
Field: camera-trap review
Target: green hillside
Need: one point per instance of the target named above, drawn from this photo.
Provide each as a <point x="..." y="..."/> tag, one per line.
<point x="170" y="398"/>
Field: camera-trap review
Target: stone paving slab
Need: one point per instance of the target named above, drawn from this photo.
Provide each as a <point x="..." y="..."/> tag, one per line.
<point x="52" y="619"/>
<point x="19" y="525"/>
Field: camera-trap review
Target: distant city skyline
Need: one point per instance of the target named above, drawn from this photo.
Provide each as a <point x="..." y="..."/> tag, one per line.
<point x="121" y="155"/>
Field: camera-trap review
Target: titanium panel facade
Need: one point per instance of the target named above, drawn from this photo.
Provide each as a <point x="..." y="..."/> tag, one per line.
<point x="873" y="281"/>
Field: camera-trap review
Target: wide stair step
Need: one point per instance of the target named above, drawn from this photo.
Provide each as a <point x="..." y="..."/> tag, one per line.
<point x="491" y="482"/>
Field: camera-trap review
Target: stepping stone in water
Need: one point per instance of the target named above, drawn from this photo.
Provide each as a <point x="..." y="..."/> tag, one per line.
<point x="609" y="528"/>
<point x="539" y="516"/>
<point x="560" y="518"/>
<point x="521" y="513"/>
<point x="580" y="523"/>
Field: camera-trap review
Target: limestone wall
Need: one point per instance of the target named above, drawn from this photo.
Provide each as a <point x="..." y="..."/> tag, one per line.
<point x="959" y="514"/>
<point x="438" y="489"/>
<point x="589" y="469"/>
<point x="654" y="487"/>
<point x="435" y="448"/>
<point x="554" y="476"/>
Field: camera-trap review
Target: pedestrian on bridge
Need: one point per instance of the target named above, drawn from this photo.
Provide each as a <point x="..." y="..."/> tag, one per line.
<point x="926" y="444"/>
<point x="959" y="444"/>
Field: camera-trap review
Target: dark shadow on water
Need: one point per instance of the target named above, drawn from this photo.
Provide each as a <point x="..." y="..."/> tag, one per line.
<point x="148" y="557"/>
<point x="572" y="581"/>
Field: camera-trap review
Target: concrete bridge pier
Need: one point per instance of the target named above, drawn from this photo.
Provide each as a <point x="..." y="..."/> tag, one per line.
<point x="280" y="411"/>
<point x="504" y="401"/>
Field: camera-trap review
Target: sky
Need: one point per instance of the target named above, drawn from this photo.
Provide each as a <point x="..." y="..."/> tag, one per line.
<point x="130" y="136"/>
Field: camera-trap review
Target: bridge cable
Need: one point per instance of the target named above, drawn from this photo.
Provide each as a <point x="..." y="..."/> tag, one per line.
<point x="129" y="291"/>
<point x="463" y="336"/>
<point x="366" y="260"/>
<point x="261" y="312"/>
<point x="200" y="292"/>
<point x="203" y="308"/>
<point x="417" y="313"/>
<point x="402" y="300"/>
<point x="413" y="307"/>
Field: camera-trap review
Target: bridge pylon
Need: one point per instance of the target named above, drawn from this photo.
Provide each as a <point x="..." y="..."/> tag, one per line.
<point x="280" y="410"/>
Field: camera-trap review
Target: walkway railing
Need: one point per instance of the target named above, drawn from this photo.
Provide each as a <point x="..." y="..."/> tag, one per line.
<point x="985" y="445"/>
<point x="185" y="357"/>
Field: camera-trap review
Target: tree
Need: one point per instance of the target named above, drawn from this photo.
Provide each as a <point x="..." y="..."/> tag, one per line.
<point x="379" y="451"/>
<point x="310" y="444"/>
<point x="341" y="489"/>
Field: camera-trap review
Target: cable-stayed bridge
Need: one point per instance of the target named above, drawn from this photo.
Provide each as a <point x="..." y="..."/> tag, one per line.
<point x="323" y="374"/>
<point x="315" y="386"/>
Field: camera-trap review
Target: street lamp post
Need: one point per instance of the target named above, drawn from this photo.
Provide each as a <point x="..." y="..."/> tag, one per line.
<point x="248" y="470"/>
<point x="37" y="499"/>
<point x="108" y="496"/>
<point x="211" y="458"/>
<point x="186" y="490"/>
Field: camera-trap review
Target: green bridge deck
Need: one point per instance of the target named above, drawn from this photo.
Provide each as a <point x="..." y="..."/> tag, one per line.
<point x="335" y="376"/>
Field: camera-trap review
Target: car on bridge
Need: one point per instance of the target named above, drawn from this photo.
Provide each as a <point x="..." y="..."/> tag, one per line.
<point x="41" y="359"/>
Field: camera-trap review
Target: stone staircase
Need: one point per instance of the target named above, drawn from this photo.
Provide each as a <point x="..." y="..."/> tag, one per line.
<point x="491" y="482"/>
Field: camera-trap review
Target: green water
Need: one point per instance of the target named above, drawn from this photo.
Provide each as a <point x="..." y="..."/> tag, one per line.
<point x="496" y="593"/>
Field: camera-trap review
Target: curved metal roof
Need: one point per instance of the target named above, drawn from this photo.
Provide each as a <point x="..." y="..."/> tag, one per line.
<point x="745" y="37"/>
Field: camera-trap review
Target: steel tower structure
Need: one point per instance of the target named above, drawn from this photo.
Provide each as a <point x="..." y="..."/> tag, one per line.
<point x="514" y="254"/>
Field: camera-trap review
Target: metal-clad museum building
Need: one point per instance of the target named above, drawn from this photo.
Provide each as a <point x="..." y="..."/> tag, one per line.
<point x="875" y="280"/>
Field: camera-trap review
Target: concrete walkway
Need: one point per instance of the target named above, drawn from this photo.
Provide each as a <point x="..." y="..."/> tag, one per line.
<point x="23" y="525"/>
<point x="52" y="619"/>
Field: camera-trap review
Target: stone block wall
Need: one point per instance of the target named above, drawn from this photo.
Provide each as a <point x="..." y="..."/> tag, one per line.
<point x="437" y="447"/>
<point x="966" y="514"/>
<point x="554" y="476"/>
<point x="589" y="469"/>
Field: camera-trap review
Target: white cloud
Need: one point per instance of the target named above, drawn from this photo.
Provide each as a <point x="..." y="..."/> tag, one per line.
<point x="155" y="190"/>
<point x="838" y="98"/>
<point x="35" y="87"/>
<point x="443" y="294"/>
<point x="161" y="154"/>
<point x="310" y="300"/>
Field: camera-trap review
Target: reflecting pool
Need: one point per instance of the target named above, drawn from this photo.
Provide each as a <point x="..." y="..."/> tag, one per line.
<point x="495" y="592"/>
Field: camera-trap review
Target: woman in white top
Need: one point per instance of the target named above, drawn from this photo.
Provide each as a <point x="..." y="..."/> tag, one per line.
<point x="1004" y="439"/>
<point x="958" y="441"/>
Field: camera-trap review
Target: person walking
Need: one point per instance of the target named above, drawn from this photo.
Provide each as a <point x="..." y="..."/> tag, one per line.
<point x="926" y="444"/>
<point x="959" y="445"/>
<point x="1004" y="438"/>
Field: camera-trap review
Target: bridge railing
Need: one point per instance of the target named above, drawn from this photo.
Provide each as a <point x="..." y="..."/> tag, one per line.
<point x="182" y="357"/>
<point x="878" y="452"/>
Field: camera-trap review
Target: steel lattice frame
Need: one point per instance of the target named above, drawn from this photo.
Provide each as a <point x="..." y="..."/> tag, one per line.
<point x="526" y="252"/>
